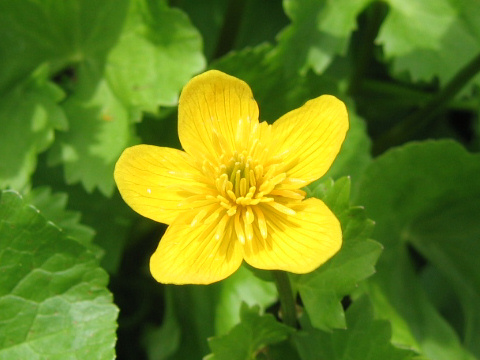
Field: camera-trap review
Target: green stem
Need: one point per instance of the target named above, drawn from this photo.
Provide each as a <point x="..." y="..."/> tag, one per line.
<point x="287" y="301"/>
<point x="422" y="118"/>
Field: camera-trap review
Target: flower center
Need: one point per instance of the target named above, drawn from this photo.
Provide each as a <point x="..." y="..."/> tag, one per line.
<point x="245" y="187"/>
<point x="239" y="180"/>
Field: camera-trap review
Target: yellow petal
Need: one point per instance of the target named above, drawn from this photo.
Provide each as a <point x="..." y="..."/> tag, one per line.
<point x="296" y="243"/>
<point x="216" y="114"/>
<point x="154" y="181"/>
<point x="192" y="254"/>
<point x="310" y="137"/>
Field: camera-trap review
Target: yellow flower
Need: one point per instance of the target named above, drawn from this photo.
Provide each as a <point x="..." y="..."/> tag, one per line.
<point x="234" y="193"/>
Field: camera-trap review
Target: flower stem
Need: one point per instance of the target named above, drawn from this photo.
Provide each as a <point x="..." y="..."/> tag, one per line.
<point x="287" y="301"/>
<point x="422" y="118"/>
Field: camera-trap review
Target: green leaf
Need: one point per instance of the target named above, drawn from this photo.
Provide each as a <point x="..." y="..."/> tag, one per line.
<point x="323" y="289"/>
<point x="241" y="287"/>
<point x="100" y="129"/>
<point x="252" y="335"/>
<point x="447" y="42"/>
<point x="53" y="207"/>
<point x="364" y="339"/>
<point x="320" y="30"/>
<point x="111" y="236"/>
<point x="59" y="33"/>
<point x="114" y="60"/>
<point x="53" y="293"/>
<point x="162" y="342"/>
<point x="158" y="52"/>
<point x="426" y="195"/>
<point x="29" y="116"/>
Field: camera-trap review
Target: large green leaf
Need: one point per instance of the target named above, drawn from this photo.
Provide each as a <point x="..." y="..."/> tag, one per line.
<point x="426" y="195"/>
<point x="158" y="52"/>
<point x="448" y="40"/>
<point x="323" y="289"/>
<point x="114" y="59"/>
<point x="249" y="337"/>
<point x="57" y="34"/>
<point x="320" y="30"/>
<point x="53" y="295"/>
<point x="364" y="339"/>
<point x="29" y="115"/>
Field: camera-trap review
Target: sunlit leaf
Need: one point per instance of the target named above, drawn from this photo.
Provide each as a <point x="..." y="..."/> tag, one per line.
<point x="29" y="116"/>
<point x="53" y="293"/>
<point x="447" y="41"/>
<point x="158" y="52"/>
<point x="320" y="30"/>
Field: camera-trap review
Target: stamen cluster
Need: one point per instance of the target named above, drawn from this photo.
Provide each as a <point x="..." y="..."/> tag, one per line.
<point x="246" y="184"/>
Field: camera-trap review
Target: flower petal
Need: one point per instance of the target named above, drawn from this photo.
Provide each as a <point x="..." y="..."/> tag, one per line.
<point x="310" y="137"/>
<point x="297" y="243"/>
<point x="154" y="180"/>
<point x="212" y="107"/>
<point x="192" y="254"/>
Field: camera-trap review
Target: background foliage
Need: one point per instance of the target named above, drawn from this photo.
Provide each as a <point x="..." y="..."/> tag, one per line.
<point x="81" y="80"/>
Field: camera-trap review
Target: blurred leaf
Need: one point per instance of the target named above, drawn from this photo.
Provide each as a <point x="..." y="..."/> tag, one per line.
<point x="241" y="287"/>
<point x="426" y="195"/>
<point x="323" y="289"/>
<point x="319" y="31"/>
<point x="163" y="341"/>
<point x="354" y="156"/>
<point x="447" y="41"/>
<point x="158" y="52"/>
<point x="253" y="29"/>
<point x="53" y="294"/>
<point x="194" y="308"/>
<point x="364" y="339"/>
<point x="251" y="336"/>
<point x="29" y="116"/>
